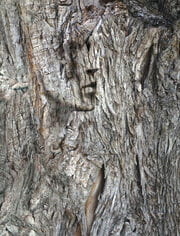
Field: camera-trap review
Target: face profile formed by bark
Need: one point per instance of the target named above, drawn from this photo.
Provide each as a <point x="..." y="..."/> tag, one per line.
<point x="73" y="83"/>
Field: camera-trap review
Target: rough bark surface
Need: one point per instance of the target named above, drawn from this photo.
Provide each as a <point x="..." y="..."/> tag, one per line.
<point x="89" y="117"/>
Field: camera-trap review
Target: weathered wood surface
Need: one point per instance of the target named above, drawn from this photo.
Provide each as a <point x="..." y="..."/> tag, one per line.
<point x="89" y="118"/>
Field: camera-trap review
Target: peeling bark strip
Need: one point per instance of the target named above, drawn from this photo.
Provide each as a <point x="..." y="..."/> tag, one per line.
<point x="89" y="92"/>
<point x="93" y="198"/>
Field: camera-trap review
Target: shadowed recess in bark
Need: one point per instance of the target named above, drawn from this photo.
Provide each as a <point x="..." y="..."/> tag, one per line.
<point x="146" y="67"/>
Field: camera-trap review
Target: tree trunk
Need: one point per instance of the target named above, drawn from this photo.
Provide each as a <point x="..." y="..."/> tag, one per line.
<point x="89" y="117"/>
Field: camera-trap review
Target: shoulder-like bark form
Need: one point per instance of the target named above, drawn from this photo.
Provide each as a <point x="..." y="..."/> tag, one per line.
<point x="89" y="117"/>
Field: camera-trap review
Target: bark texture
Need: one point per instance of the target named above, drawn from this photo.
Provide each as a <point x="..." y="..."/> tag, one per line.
<point x="89" y="117"/>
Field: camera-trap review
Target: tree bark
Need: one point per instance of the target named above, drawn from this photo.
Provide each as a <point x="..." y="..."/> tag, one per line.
<point x="89" y="117"/>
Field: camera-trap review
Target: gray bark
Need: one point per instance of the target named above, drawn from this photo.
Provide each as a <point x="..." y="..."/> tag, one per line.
<point x="89" y="117"/>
